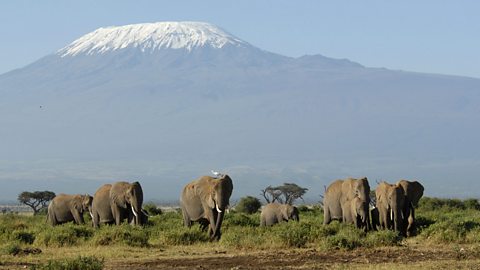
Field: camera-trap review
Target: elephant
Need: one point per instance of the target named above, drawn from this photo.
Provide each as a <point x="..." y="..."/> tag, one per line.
<point x="356" y="211"/>
<point x="101" y="210"/>
<point x="273" y="213"/>
<point x="64" y="208"/>
<point x="390" y="203"/>
<point x="204" y="200"/>
<point x="374" y="218"/>
<point x="339" y="193"/>
<point x="112" y="203"/>
<point x="126" y="199"/>
<point x="413" y="191"/>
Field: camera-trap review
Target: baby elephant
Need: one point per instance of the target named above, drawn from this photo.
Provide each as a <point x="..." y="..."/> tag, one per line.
<point x="274" y="213"/>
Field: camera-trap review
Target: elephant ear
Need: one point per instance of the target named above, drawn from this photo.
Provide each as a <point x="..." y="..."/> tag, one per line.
<point x="77" y="203"/>
<point x="284" y="210"/>
<point x="118" y="197"/>
<point x="206" y="191"/>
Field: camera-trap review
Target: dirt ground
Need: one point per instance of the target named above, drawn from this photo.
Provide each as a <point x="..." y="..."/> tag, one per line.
<point x="404" y="257"/>
<point x="396" y="258"/>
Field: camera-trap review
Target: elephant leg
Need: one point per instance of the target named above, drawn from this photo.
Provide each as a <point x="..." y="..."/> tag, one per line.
<point x="95" y="219"/>
<point x="186" y="219"/>
<point x="77" y="217"/>
<point x="384" y="219"/>
<point x="326" y="216"/>
<point x="116" y="215"/>
<point x="411" y="222"/>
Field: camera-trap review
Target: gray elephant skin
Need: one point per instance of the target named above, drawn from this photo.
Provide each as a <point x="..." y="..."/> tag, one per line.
<point x="274" y="213"/>
<point x="413" y="191"/>
<point x="204" y="200"/>
<point x="113" y="203"/>
<point x="64" y="208"/>
<point x="390" y="204"/>
<point x="339" y="195"/>
<point x="356" y="211"/>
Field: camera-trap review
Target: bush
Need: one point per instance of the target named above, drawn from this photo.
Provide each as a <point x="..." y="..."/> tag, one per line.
<point x="292" y="234"/>
<point x="241" y="220"/>
<point x="64" y="235"/>
<point x="12" y="249"/>
<point x="248" y="205"/>
<point x="124" y="234"/>
<point x="348" y="237"/>
<point x="451" y="231"/>
<point x="183" y="236"/>
<point x="382" y="238"/>
<point x="24" y="237"/>
<point x="152" y="209"/>
<point x="79" y="263"/>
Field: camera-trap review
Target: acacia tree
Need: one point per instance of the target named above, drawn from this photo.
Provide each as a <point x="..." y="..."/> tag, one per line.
<point x="37" y="200"/>
<point x="286" y="193"/>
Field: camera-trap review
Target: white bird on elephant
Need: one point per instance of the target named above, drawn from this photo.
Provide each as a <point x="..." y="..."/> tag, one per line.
<point x="215" y="173"/>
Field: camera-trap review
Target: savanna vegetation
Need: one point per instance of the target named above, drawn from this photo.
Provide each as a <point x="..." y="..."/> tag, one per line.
<point x="448" y="234"/>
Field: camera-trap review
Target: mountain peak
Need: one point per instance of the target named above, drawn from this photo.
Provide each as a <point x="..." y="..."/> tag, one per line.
<point x="151" y="37"/>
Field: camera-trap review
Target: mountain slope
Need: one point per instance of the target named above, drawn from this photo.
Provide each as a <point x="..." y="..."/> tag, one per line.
<point x="165" y="106"/>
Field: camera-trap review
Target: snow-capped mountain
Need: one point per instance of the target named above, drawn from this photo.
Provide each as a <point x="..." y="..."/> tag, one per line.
<point x="150" y="37"/>
<point x="166" y="102"/>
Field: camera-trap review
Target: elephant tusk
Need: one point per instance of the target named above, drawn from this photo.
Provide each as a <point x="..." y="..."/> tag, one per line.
<point x="391" y="214"/>
<point x="135" y="213"/>
<point x="218" y="209"/>
<point x="145" y="213"/>
<point x="91" y="214"/>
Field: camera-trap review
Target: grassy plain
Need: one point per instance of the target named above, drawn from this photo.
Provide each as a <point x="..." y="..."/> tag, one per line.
<point x="448" y="238"/>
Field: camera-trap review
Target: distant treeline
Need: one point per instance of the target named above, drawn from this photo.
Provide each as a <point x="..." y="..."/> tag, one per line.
<point x="430" y="204"/>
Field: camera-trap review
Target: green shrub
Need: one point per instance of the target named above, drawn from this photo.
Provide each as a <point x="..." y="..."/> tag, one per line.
<point x="64" y="235"/>
<point x="451" y="231"/>
<point x="12" y="249"/>
<point x="79" y="263"/>
<point x="248" y="238"/>
<point x="382" y="238"/>
<point x="248" y="205"/>
<point x="183" y="236"/>
<point x="238" y="219"/>
<point x="124" y="234"/>
<point x="292" y="234"/>
<point x="24" y="237"/>
<point x="347" y="238"/>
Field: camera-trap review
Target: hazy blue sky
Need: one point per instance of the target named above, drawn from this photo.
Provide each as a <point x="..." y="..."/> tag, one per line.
<point x="426" y="36"/>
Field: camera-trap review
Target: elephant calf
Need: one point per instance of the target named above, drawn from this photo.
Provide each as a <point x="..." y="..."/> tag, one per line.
<point x="273" y="213"/>
<point x="64" y="208"/>
<point x="356" y="211"/>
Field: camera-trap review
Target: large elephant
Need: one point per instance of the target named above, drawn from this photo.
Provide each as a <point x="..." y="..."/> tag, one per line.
<point x="114" y="203"/>
<point x="205" y="200"/>
<point x="356" y="211"/>
<point x="390" y="201"/>
<point x="64" y="208"/>
<point x="338" y="195"/>
<point x="126" y="199"/>
<point x="413" y="191"/>
<point x="273" y="213"/>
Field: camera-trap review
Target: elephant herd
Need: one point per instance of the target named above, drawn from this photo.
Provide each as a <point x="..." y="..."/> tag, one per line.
<point x="205" y="200"/>
<point x="111" y="204"/>
<point x="349" y="201"/>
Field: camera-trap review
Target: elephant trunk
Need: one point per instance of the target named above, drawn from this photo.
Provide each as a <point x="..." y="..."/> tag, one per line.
<point x="216" y="232"/>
